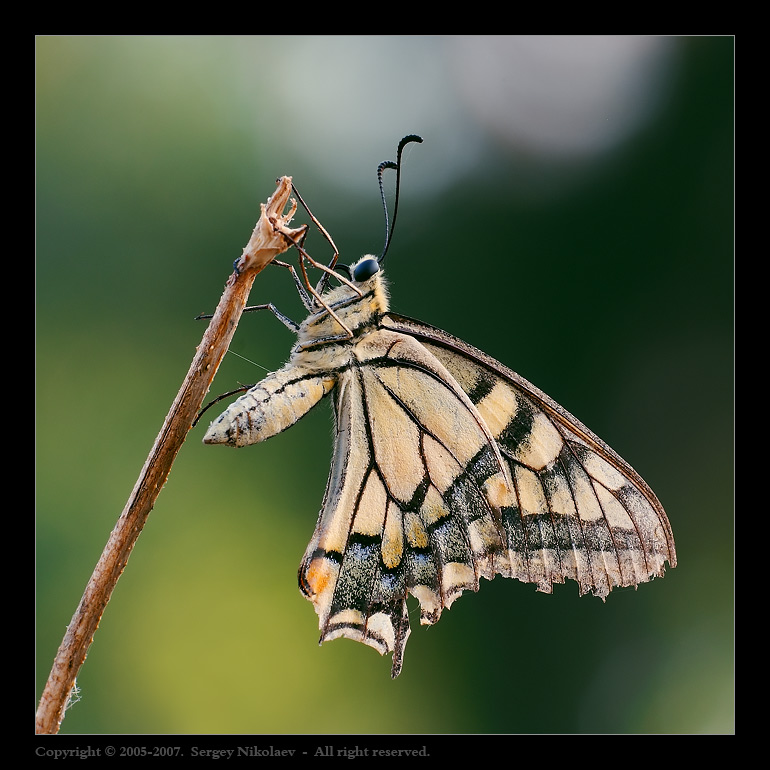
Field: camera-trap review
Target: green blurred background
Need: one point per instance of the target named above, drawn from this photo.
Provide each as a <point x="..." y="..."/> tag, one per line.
<point x="570" y="212"/>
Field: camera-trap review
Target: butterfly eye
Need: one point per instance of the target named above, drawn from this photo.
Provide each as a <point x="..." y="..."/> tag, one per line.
<point x="365" y="269"/>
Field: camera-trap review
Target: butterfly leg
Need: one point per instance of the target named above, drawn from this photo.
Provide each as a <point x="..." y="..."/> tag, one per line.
<point x="319" y="302"/>
<point x="307" y="300"/>
<point x="284" y="319"/>
<point x="323" y="282"/>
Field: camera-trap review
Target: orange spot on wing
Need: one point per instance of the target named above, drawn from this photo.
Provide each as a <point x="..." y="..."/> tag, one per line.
<point x="318" y="575"/>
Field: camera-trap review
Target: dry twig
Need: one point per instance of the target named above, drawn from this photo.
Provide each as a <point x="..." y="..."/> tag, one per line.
<point x="271" y="237"/>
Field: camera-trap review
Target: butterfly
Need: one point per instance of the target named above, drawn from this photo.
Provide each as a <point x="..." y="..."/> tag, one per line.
<point x="448" y="467"/>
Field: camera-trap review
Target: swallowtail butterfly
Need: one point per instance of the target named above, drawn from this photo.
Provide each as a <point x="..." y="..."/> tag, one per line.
<point x="448" y="467"/>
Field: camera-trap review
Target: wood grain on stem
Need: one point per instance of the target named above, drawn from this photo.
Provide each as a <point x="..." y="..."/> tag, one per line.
<point x="271" y="237"/>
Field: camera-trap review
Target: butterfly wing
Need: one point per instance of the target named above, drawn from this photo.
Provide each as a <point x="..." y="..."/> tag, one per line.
<point x="449" y="467"/>
<point x="581" y="511"/>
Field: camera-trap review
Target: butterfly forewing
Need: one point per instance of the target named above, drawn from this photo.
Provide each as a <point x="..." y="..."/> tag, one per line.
<point x="579" y="511"/>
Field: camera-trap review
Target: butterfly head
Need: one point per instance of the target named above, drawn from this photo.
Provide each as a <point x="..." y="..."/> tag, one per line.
<point x="365" y="285"/>
<point x="367" y="274"/>
<point x="365" y="268"/>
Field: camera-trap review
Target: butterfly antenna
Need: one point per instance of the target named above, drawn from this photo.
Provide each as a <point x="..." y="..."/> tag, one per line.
<point x="397" y="167"/>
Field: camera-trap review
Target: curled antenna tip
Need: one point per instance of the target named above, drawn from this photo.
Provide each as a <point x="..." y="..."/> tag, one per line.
<point x="385" y="164"/>
<point x="407" y="139"/>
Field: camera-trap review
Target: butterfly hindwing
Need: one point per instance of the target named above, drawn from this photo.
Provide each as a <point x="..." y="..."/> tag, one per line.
<point x="407" y="508"/>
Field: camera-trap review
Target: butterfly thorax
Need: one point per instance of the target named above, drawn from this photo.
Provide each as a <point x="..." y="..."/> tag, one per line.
<point x="348" y="313"/>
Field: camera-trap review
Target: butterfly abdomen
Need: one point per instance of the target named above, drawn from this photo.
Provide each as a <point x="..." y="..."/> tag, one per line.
<point x="270" y="407"/>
